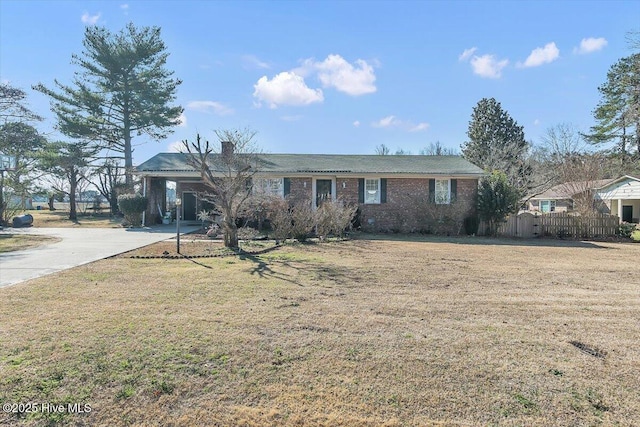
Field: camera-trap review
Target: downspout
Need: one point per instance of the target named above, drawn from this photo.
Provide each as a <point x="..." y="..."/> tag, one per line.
<point x="144" y="194"/>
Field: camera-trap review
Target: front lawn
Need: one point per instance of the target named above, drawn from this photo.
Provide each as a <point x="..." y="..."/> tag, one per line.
<point x="17" y="242"/>
<point x="60" y="218"/>
<point x="466" y="331"/>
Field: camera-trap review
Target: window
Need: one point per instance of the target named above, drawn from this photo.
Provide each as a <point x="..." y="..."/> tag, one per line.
<point x="372" y="191"/>
<point x="442" y="192"/>
<point x="547" y="205"/>
<point x="271" y="186"/>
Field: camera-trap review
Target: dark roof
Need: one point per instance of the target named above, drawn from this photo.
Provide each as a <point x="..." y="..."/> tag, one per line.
<point x="569" y="189"/>
<point x="330" y="163"/>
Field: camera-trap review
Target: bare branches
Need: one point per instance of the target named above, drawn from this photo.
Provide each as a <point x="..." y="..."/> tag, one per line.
<point x="227" y="172"/>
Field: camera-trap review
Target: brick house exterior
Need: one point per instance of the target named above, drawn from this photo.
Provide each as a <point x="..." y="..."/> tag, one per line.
<point x="393" y="193"/>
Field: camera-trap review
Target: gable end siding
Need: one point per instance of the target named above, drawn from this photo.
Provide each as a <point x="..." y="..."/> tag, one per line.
<point x="627" y="189"/>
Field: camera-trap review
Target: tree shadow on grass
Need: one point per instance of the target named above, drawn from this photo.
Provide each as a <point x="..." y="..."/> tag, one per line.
<point x="262" y="269"/>
<point x="310" y="270"/>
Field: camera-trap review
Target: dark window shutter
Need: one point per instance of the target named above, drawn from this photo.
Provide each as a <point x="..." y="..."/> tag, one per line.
<point x="454" y="190"/>
<point x="360" y="190"/>
<point x="287" y="186"/>
<point x="432" y="190"/>
<point x="383" y="190"/>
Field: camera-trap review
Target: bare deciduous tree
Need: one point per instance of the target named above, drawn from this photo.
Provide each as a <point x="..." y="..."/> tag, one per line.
<point x="438" y="150"/>
<point x="227" y="171"/>
<point x="569" y="164"/>
<point x="383" y="150"/>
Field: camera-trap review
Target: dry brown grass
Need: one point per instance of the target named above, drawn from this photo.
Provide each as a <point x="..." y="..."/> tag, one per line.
<point x="460" y="332"/>
<point x="60" y="218"/>
<point x="17" y="242"/>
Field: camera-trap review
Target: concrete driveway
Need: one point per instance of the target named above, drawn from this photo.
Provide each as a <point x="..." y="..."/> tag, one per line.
<point x="77" y="247"/>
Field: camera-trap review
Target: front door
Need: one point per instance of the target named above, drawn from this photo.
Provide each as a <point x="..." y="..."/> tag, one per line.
<point x="627" y="213"/>
<point x="323" y="191"/>
<point x="189" y="206"/>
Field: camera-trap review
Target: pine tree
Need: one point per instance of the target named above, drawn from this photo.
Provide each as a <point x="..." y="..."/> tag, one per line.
<point x="618" y="112"/>
<point x="496" y="142"/>
<point x="70" y="162"/>
<point x="122" y="89"/>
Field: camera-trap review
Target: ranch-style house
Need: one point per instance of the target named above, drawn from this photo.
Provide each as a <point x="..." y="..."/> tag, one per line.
<point x="393" y="192"/>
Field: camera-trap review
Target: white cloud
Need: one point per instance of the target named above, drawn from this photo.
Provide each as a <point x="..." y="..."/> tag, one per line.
<point x="183" y="120"/>
<point x="286" y="88"/>
<point x="590" y="45"/>
<point x="356" y="123"/>
<point x="467" y="54"/>
<point x="386" y="122"/>
<point x="419" y="127"/>
<point x="252" y="61"/>
<point x="175" y="147"/>
<point x="536" y="122"/>
<point x="488" y="66"/>
<point x="212" y="107"/>
<point x="290" y="88"/>
<point x="542" y="55"/>
<point x="394" y="122"/>
<point x="90" y="19"/>
<point x="336" y="72"/>
<point x="124" y="6"/>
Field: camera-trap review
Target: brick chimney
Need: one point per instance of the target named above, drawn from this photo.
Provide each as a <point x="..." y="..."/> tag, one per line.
<point x="227" y="149"/>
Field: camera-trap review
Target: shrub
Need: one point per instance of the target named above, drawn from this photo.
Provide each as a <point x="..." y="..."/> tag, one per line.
<point x="303" y="220"/>
<point x="279" y="216"/>
<point x="334" y="218"/>
<point x="471" y="224"/>
<point x="497" y="198"/>
<point x="626" y="229"/>
<point x="635" y="236"/>
<point x="247" y="233"/>
<point x="132" y="206"/>
<point x="259" y="208"/>
<point x="428" y="217"/>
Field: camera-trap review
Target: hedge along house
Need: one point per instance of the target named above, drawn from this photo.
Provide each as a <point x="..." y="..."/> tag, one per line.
<point x="392" y="192"/>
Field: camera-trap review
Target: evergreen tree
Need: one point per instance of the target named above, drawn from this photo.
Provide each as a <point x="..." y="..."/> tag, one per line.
<point x="122" y="89"/>
<point x="69" y="161"/>
<point x="618" y="112"/>
<point x="496" y="142"/>
<point x="12" y="108"/>
<point x="23" y="142"/>
<point x="497" y="198"/>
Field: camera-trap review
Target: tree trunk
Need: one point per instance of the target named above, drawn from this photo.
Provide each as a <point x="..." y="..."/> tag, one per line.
<point x="73" y="184"/>
<point x="231" y="237"/>
<point x="128" y="155"/>
<point x="2" y="198"/>
<point x="52" y="199"/>
<point x="113" y="203"/>
<point x="230" y="233"/>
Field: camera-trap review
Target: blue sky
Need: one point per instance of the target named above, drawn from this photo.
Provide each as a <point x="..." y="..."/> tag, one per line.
<point x="345" y="76"/>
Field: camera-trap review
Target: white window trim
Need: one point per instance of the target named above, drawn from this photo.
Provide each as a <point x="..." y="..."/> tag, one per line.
<point x="379" y="197"/>
<point x="550" y="201"/>
<point x="435" y="189"/>
<point x="313" y="188"/>
<point x="260" y="180"/>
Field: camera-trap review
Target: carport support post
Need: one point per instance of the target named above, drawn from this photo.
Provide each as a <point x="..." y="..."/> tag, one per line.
<point x="178" y="205"/>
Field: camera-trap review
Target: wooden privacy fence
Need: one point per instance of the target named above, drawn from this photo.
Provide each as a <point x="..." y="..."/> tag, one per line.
<point x="557" y="224"/>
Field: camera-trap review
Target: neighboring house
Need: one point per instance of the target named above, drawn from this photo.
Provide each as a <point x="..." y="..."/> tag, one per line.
<point x="390" y="191"/>
<point x="622" y="198"/>
<point x="560" y="198"/>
